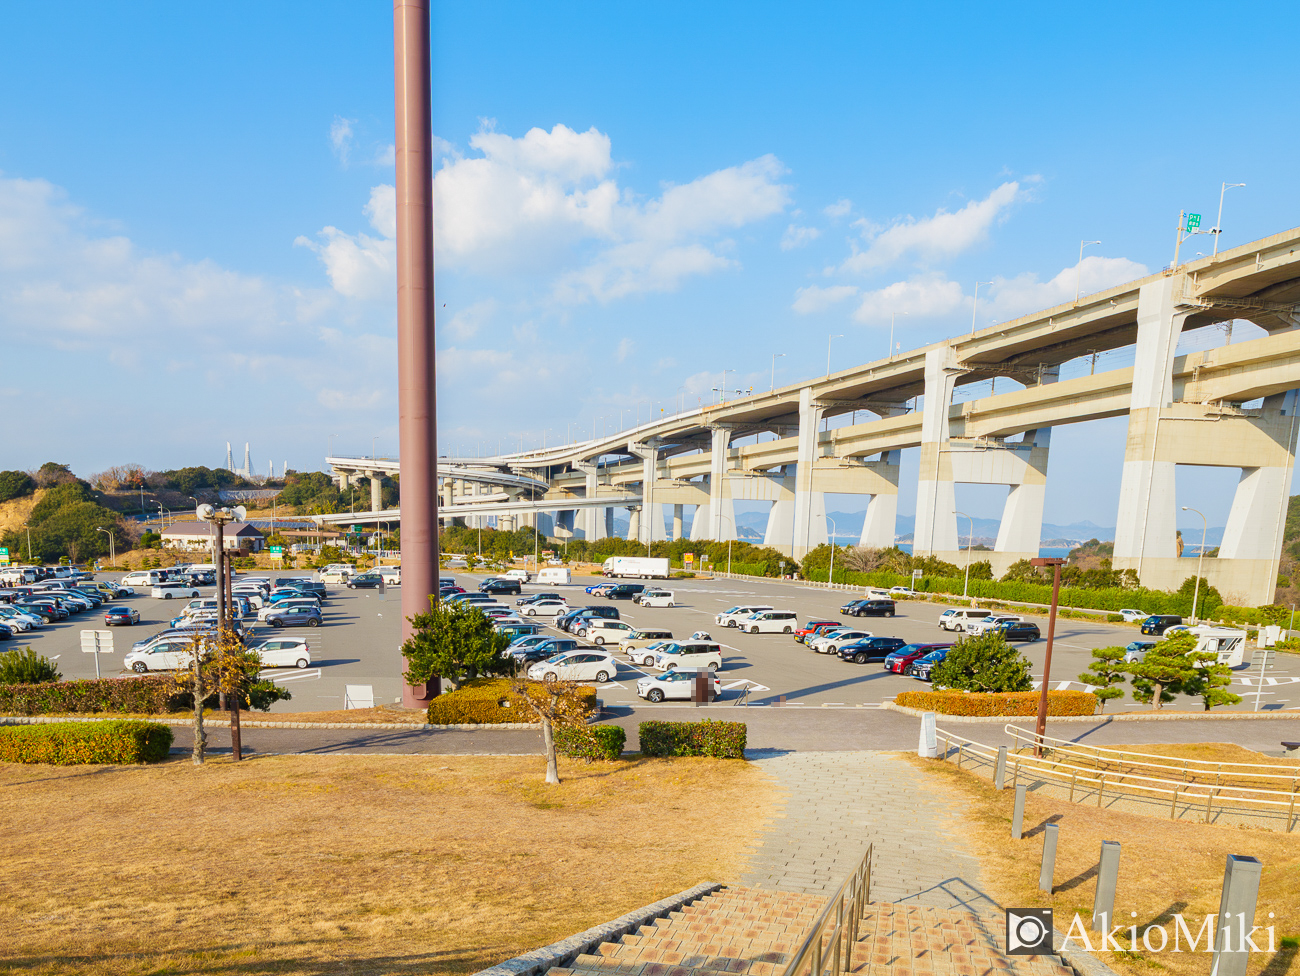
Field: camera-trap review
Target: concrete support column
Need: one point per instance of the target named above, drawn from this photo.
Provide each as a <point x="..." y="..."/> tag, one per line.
<point x="547" y="523"/>
<point x="809" y="506"/>
<point x="1021" y="529"/>
<point x="593" y="524"/>
<point x="780" y="520"/>
<point x="634" y="523"/>
<point x="376" y="492"/>
<point x="1146" y="523"/>
<point x="1257" y="519"/>
<point x="609" y="522"/>
<point x="721" y="513"/>
<point x="678" y="511"/>
<point x="936" y="498"/>
<point x="651" y="523"/>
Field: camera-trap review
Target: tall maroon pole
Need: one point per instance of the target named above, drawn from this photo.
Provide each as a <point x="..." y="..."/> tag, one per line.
<point x="1040" y="723"/>
<point x="415" y="344"/>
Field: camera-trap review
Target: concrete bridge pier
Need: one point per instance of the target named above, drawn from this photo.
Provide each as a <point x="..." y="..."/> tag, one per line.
<point x="809" y="502"/>
<point x="678" y="512"/>
<point x="1168" y="426"/>
<point x="595" y="521"/>
<point x="650" y="525"/>
<point x="936" y="498"/>
<point x="720" y="514"/>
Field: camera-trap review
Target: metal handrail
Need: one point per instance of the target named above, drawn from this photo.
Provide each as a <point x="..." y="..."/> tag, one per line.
<point x="855" y="892"/>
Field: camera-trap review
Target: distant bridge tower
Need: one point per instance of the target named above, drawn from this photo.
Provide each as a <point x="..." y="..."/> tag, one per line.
<point x="248" y="471"/>
<point x="230" y="458"/>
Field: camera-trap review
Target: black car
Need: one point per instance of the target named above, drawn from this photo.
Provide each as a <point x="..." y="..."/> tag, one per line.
<point x="1021" y="630"/>
<point x="495" y="586"/>
<point x="873" y="608"/>
<point x="871" y="649"/>
<point x="567" y="621"/>
<point x="1158" y="623"/>
<point x="625" y="591"/>
<point x="851" y="606"/>
<point x="523" y="601"/>
<point x="364" y="581"/>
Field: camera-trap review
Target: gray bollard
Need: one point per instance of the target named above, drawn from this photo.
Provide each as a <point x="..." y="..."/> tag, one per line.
<point x="1018" y="815"/>
<point x="1000" y="773"/>
<point x="1103" y="905"/>
<point x="927" y="747"/>
<point x="1236" y="915"/>
<point x="1048" y="870"/>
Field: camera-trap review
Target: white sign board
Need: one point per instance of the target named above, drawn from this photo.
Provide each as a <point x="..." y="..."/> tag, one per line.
<point x="97" y="642"/>
<point x="927" y="748"/>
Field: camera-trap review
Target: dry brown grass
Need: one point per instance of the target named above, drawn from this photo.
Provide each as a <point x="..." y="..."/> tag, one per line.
<point x="350" y="864"/>
<point x="1165" y="867"/>
<point x="1132" y="760"/>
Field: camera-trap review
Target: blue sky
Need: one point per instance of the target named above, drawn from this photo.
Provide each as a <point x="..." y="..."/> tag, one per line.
<point x="195" y="213"/>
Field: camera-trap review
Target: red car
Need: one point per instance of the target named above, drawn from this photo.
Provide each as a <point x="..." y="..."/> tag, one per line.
<point x="813" y="627"/>
<point x="905" y="655"/>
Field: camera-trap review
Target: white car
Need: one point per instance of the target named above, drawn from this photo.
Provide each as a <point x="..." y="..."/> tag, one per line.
<point x="166" y="655"/>
<point x="173" y="591"/>
<point x="285" y="605"/>
<point x="18" y="620"/>
<point x="645" y="656"/>
<point x="957" y="618"/>
<point x="770" y="622"/>
<point x="831" y="643"/>
<point x="688" y="656"/>
<point x="545" y="608"/>
<point x="730" y="618"/>
<point x="901" y="591"/>
<point x="283" y="652"/>
<point x="1134" y="616"/>
<point x="992" y="622"/>
<point x="656" y="598"/>
<point x="579" y="665"/>
<point x="603" y="631"/>
<point x="674" y="684"/>
<point x="336" y="575"/>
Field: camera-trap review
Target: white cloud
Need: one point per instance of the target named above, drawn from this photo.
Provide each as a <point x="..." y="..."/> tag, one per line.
<point x="359" y="265"/>
<point x="840" y="208"/>
<point x="349" y="399"/>
<point x="929" y="239"/>
<point x="817" y="299"/>
<point x="923" y="296"/>
<point x="466" y="323"/>
<point x="341" y="138"/>
<point x="1012" y="297"/>
<point x="625" y="347"/>
<point x="798" y="237"/>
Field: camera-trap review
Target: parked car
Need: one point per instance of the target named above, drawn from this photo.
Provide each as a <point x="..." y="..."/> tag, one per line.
<point x="523" y="601"/>
<point x="1134" y="616"/>
<point x="955" y="618"/>
<point x="581" y="665"/>
<point x="832" y="642"/>
<point x="770" y="622"/>
<point x="679" y="685"/>
<point x="121" y="615"/>
<point x="1019" y="630"/>
<point x="495" y="587"/>
<point x="21" y="618"/>
<point x="163" y="655"/>
<point x="601" y="631"/>
<point x="688" y="655"/>
<point x="872" y="608"/>
<point x="921" y="668"/>
<point x="599" y="589"/>
<point x="173" y="591"/>
<point x="624" y="591"/>
<point x="898" y="661"/>
<point x="569" y="622"/>
<point x="558" y="645"/>
<point x="898" y="591"/>
<point x="871" y="649"/>
<point x="336" y="575"/>
<point x="991" y="622"/>
<point x="1137" y="650"/>
<point x="801" y="634"/>
<point x="521" y="644"/>
<point x="531" y="655"/>
<point x="289" y="604"/>
<point x="732" y="617"/>
<point x="365" y="581"/>
<point x="656" y="598"/>
<point x="544" y="608"/>
<point x="295" y="617"/>
<point x="282" y="652"/>
<point x="646" y="655"/>
<point x="643" y="638"/>
<point x="6" y="631"/>
<point x="1158" y="623"/>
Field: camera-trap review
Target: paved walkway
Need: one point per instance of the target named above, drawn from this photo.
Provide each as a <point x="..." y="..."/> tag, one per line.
<point x="839" y="802"/>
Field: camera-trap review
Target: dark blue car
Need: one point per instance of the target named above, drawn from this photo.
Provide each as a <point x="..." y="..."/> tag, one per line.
<point x="295" y="617"/>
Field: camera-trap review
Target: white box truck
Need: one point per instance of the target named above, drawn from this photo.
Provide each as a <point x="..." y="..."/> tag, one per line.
<point x="640" y="567"/>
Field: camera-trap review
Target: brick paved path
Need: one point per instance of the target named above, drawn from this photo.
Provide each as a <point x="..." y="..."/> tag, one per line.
<point x="837" y="804"/>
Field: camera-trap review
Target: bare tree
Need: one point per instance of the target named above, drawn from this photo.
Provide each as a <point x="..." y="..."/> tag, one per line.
<point x="556" y="705"/>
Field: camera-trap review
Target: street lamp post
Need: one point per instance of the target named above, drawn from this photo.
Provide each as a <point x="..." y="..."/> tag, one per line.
<point x="29" y="541"/>
<point x="1078" y="269"/>
<point x="112" y="546"/>
<point x="976" y="304"/>
<point x="829" y="339"/>
<point x="775" y="357"/>
<point x="220" y="517"/>
<point x="1040" y="725"/>
<point x="1196" y="592"/>
<point x="1218" y="221"/>
<point x="830" y="576"/>
<point x="891" y="332"/>
<point x="733" y="532"/>
<point x="970" y="539"/>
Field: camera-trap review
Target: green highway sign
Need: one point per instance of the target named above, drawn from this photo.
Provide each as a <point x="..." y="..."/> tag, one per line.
<point x="277" y="550"/>
<point x="1193" y="221"/>
<point x="4" y="550"/>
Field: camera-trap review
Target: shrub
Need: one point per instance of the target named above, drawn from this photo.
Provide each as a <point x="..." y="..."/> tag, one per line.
<point x="489" y="701"/>
<point x="1059" y="703"/>
<point x="720" y="740"/>
<point x="75" y="743"/>
<point x="983" y="662"/>
<point x="146" y="695"/>
<point x="26" y="667"/>
<point x="591" y="741"/>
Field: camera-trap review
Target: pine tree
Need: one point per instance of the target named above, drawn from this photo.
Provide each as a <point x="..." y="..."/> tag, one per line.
<point x="1106" y="670"/>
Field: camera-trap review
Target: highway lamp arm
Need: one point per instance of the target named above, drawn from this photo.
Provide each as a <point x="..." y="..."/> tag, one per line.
<point x="1218" y="221"/>
<point x="1078" y="269"/>
<point x="970" y="538"/>
<point x="1196" y="590"/>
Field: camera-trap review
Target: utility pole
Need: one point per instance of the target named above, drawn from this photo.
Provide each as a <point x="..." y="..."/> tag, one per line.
<point x="1040" y="724"/>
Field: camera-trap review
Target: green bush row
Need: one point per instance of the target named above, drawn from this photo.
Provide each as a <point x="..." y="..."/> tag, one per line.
<point x="1000" y="703"/>
<point x="591" y="741"/>
<point x="145" y="695"/>
<point x="489" y="701"/>
<point x="720" y="740"/>
<point x="77" y="743"/>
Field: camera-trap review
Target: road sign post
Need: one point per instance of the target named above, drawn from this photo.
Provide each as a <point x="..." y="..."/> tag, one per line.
<point x="97" y="642"/>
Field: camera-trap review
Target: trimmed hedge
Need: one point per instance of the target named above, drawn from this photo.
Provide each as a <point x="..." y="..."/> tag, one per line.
<point x="78" y="743"/>
<point x="489" y="701"/>
<point x="591" y="741"/>
<point x="147" y="695"/>
<point x="1011" y="703"/>
<point x="720" y="740"/>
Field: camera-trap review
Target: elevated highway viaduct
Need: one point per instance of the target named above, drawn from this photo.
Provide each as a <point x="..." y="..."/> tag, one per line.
<point x="1229" y="406"/>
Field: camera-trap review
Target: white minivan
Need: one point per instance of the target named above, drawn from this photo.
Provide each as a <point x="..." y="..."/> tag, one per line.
<point x="958" y="617"/>
<point x="602" y="631"/>
<point x="689" y="655"/>
<point x="144" y="577"/>
<point x="732" y="617"/>
<point x="770" y="622"/>
<point x="655" y="598"/>
<point x="391" y="575"/>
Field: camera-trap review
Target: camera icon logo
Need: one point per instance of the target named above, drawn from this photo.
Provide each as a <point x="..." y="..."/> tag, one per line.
<point x="1029" y="931"/>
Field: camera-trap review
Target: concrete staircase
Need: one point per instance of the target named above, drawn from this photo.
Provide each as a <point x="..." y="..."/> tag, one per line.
<point x="756" y="931"/>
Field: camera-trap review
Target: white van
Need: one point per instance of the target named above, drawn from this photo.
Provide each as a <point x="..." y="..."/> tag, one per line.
<point x="689" y="655"/>
<point x="770" y="622"/>
<point x="554" y="577"/>
<point x="599" y="630"/>
<point x="956" y="618"/>
<point x="519" y="574"/>
<point x="391" y="575"/>
<point x="143" y="577"/>
<point x="732" y="617"/>
<point x="17" y="575"/>
<point x="655" y="598"/>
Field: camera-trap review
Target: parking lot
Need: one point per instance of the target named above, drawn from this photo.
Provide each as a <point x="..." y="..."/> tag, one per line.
<point x="358" y="646"/>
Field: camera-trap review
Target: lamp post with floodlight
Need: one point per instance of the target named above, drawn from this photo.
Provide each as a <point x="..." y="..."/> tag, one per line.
<point x="1205" y="527"/>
